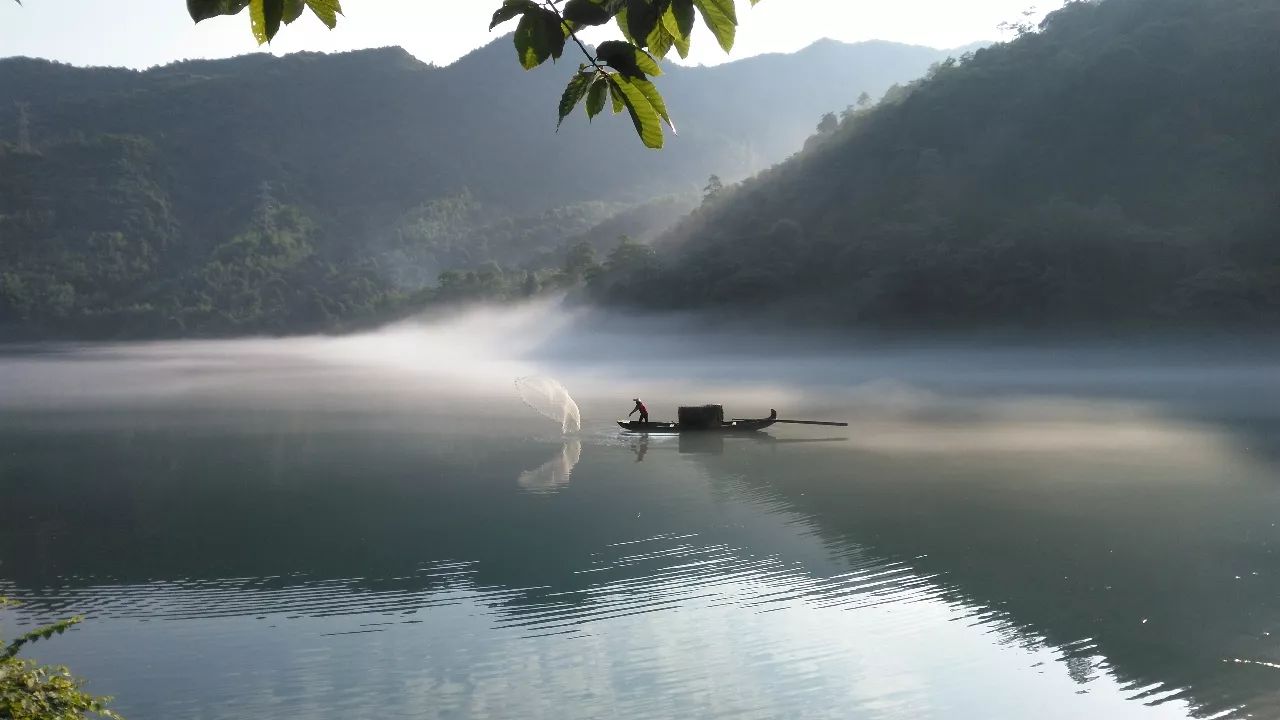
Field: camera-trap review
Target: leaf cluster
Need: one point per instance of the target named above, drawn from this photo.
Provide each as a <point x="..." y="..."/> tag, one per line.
<point x="617" y="72"/>
<point x="266" y="16"/>
<point x="29" y="691"/>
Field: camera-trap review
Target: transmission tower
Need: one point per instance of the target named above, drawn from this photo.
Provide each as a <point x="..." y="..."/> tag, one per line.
<point x="267" y="207"/>
<point x="24" y="127"/>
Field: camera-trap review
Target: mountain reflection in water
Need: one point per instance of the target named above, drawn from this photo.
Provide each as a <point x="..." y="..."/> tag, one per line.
<point x="955" y="554"/>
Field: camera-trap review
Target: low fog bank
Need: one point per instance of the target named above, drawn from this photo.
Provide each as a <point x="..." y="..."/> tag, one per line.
<point x="465" y="364"/>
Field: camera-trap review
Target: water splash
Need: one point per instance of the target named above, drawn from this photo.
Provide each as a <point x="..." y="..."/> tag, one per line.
<point x="550" y="399"/>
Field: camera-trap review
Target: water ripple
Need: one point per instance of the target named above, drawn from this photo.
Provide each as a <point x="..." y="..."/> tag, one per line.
<point x="621" y="583"/>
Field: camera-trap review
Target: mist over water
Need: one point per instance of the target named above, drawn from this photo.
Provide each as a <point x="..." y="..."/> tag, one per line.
<point x="304" y="526"/>
<point x="929" y="396"/>
<point x="472" y="354"/>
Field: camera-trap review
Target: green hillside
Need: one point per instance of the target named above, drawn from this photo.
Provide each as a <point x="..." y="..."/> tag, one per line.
<point x="1120" y="167"/>
<point x="312" y="192"/>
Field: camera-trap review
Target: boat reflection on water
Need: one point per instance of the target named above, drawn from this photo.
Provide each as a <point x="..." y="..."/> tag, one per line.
<point x="553" y="475"/>
<point x="716" y="443"/>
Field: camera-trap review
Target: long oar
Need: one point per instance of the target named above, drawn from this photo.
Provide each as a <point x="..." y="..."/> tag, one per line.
<point x="813" y="422"/>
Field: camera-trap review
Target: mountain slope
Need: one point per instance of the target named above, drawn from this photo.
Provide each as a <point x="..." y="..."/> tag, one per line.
<point x="134" y="208"/>
<point x="1121" y="166"/>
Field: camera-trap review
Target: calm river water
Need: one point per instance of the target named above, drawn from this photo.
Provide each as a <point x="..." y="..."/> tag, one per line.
<point x="377" y="527"/>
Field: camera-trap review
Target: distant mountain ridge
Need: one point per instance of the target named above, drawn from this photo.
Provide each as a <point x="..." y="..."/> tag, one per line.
<point x="784" y="92"/>
<point x="270" y="194"/>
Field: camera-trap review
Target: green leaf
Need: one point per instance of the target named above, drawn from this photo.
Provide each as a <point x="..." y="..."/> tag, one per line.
<point x="642" y="17"/>
<point x="557" y="32"/>
<point x="327" y="10"/>
<point x="531" y="44"/>
<point x="647" y="64"/>
<point x="650" y="92"/>
<point x="620" y="55"/>
<point x="538" y="37"/>
<point x="573" y="94"/>
<point x="659" y="41"/>
<point x="596" y="96"/>
<point x="615" y="95"/>
<point x="205" y="9"/>
<point x="258" y="21"/>
<point x="510" y="9"/>
<point x="624" y="26"/>
<point x="678" y="21"/>
<point x="721" y="18"/>
<point x="627" y="59"/>
<point x="679" y="18"/>
<point x="273" y="16"/>
<point x="643" y="116"/>
<point x="293" y="10"/>
<point x="265" y="17"/>
<point x="587" y="12"/>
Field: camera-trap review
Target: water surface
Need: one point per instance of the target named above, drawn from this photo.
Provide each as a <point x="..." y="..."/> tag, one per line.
<point x="377" y="527"/>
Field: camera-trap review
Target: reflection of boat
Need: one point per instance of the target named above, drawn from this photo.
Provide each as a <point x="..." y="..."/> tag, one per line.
<point x="714" y="443"/>
<point x="703" y="420"/>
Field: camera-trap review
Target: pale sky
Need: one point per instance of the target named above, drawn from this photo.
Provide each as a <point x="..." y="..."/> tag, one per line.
<point x="143" y="33"/>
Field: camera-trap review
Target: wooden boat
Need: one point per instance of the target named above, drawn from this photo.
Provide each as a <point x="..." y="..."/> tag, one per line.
<point x="723" y="426"/>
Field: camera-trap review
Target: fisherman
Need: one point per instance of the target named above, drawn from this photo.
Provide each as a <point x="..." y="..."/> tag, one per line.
<point x="640" y="408"/>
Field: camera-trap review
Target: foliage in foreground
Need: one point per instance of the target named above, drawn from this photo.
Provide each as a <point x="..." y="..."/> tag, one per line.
<point x="30" y="691"/>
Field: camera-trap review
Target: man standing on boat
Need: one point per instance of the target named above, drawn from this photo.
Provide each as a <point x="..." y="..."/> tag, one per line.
<point x="640" y="408"/>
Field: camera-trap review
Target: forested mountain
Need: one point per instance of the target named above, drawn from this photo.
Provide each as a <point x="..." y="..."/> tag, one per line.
<point x="270" y="195"/>
<point x="1119" y="167"/>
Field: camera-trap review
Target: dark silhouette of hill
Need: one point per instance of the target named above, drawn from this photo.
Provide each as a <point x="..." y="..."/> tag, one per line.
<point x="1119" y="167"/>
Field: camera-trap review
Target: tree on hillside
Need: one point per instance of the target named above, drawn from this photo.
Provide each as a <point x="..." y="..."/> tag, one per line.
<point x="630" y="256"/>
<point x="1020" y="27"/>
<point x="828" y="124"/>
<point x="616" y="71"/>
<point x="862" y="104"/>
<point x="580" y="258"/>
<point x="713" y="189"/>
